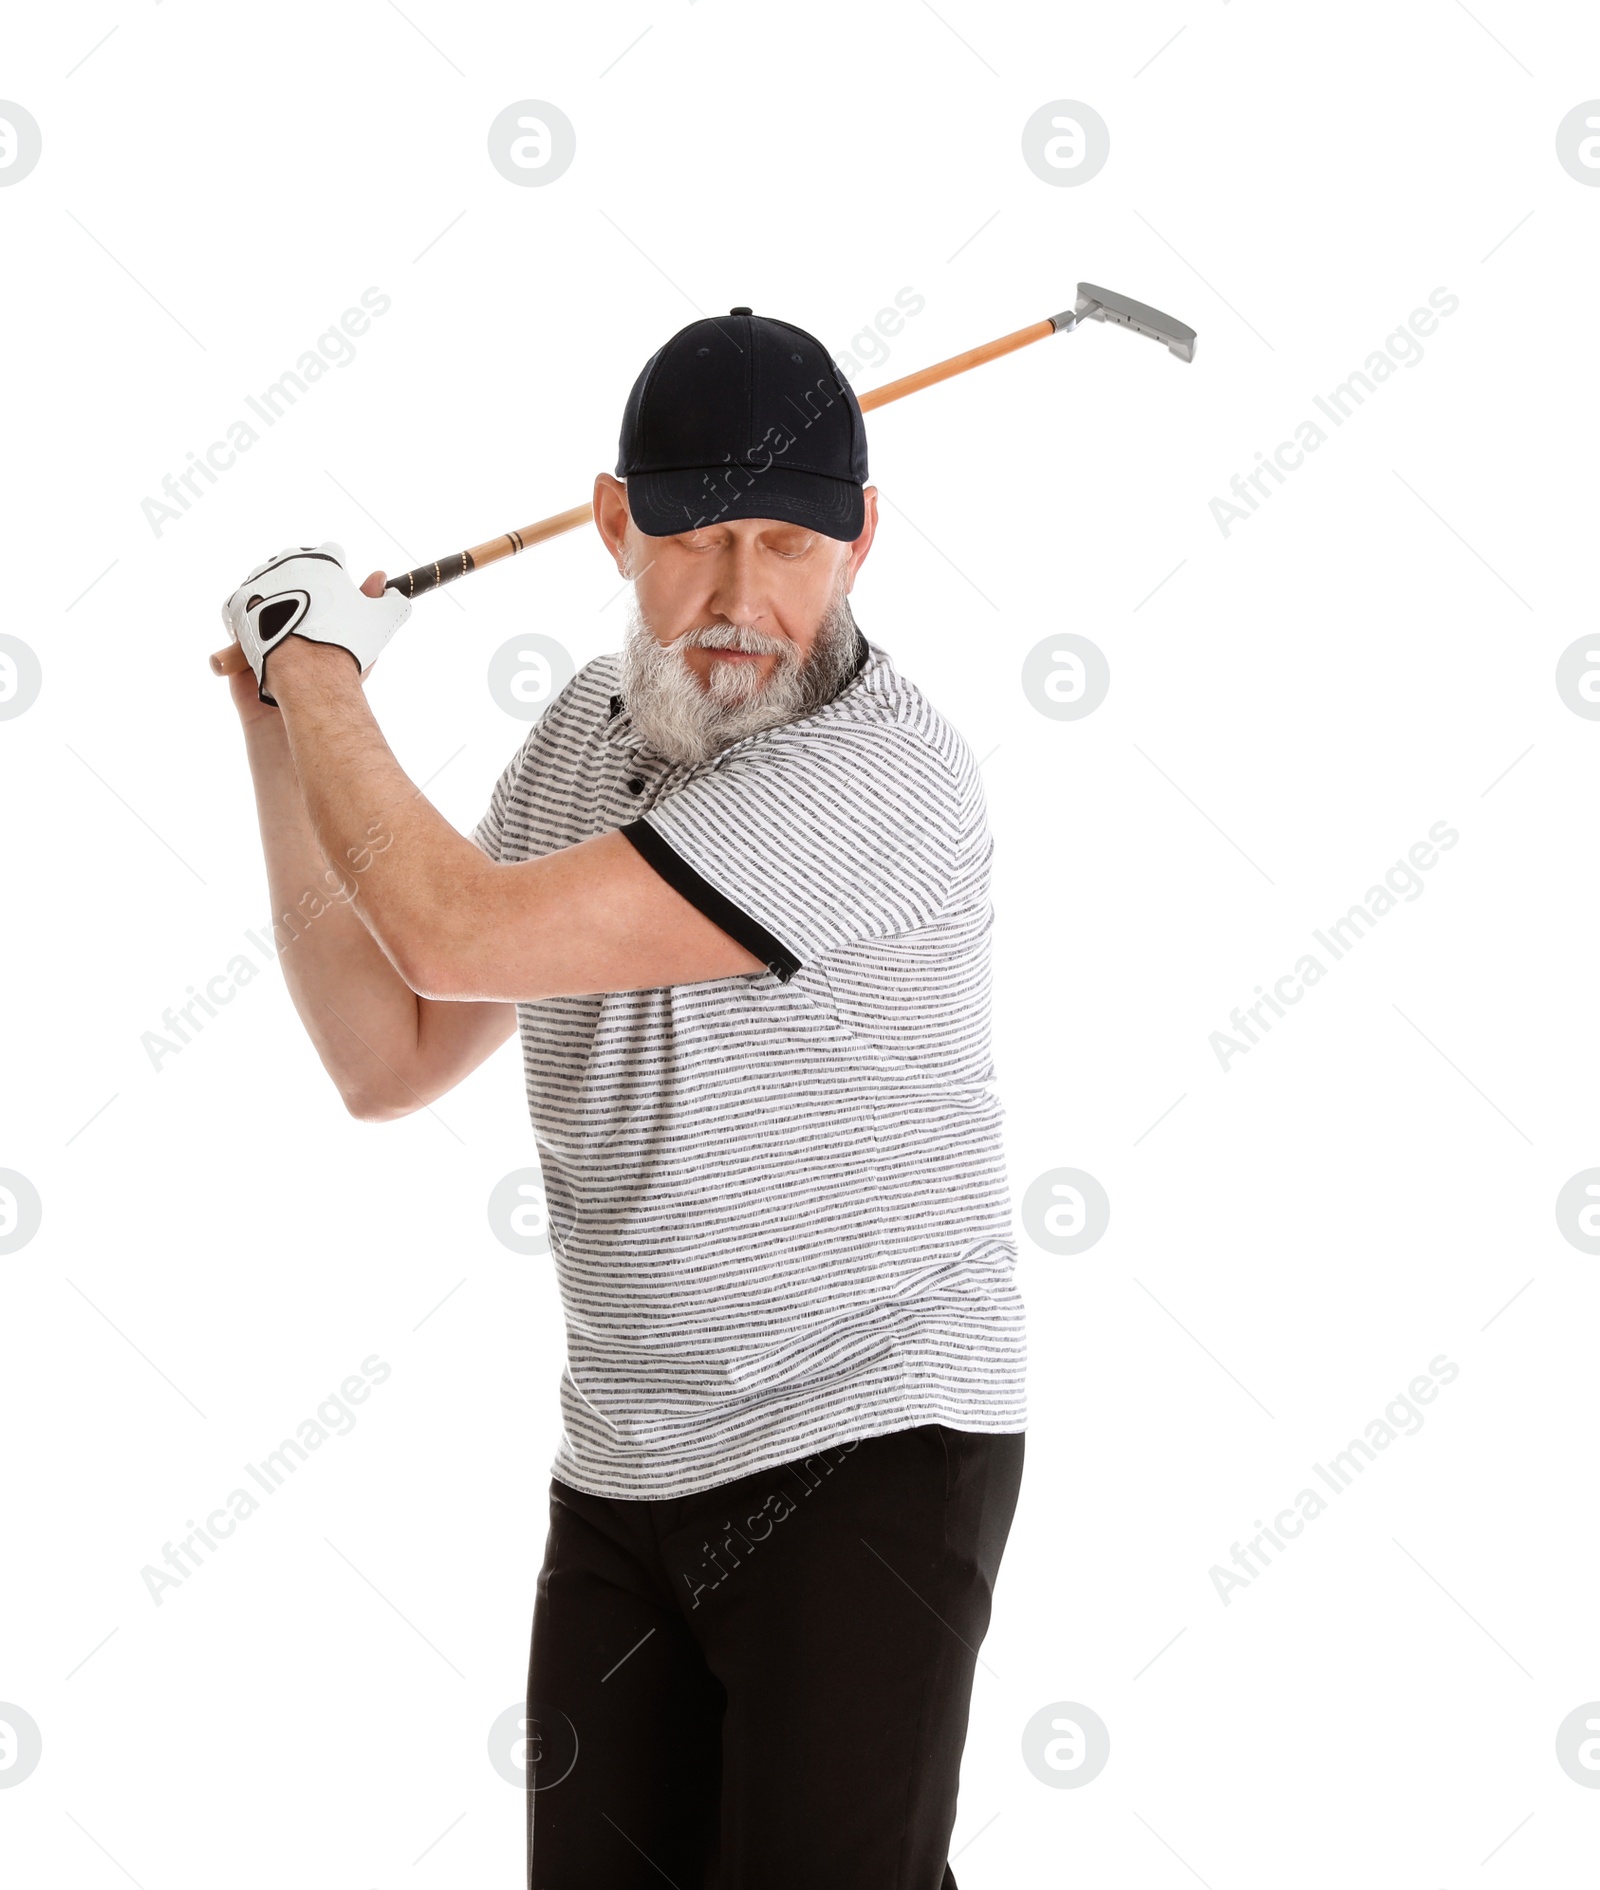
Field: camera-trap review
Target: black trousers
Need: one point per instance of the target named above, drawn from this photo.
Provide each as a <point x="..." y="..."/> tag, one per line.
<point x="764" y="1686"/>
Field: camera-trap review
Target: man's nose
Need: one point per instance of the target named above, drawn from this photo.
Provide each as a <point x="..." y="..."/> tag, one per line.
<point x="736" y="591"/>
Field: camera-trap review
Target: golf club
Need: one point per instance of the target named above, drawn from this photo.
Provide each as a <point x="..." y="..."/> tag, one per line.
<point x="1093" y="304"/>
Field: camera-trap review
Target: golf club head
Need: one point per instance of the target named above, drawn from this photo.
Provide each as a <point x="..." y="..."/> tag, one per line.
<point x="1105" y="305"/>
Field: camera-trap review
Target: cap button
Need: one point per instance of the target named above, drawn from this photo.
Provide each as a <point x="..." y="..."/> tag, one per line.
<point x="741" y="311"/>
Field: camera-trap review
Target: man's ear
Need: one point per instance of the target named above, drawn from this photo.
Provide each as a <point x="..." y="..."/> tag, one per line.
<point x="861" y="545"/>
<point x="611" y="518"/>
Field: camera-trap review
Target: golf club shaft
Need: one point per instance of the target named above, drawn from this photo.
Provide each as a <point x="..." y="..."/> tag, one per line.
<point x="428" y="577"/>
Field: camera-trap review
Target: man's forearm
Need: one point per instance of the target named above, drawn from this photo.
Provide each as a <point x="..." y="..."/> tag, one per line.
<point x="421" y="890"/>
<point x="359" y="1012"/>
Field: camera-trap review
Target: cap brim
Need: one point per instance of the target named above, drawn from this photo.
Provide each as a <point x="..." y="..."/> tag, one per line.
<point x="662" y="504"/>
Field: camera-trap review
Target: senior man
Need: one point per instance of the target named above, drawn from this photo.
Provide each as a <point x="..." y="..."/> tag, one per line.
<point x="734" y="886"/>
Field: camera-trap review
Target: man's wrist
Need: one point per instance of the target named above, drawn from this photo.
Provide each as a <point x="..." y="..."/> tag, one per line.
<point x="299" y="664"/>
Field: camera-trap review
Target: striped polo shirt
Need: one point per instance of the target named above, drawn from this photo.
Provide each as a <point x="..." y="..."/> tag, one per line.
<point x="777" y="1202"/>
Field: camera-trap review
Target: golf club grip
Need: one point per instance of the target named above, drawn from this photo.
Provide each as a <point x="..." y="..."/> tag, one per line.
<point x="428" y="577"/>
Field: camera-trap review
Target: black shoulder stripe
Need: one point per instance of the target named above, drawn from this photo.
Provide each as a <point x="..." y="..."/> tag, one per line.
<point x="702" y="895"/>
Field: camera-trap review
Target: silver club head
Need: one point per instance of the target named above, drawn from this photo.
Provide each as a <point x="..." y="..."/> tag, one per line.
<point x="1105" y="305"/>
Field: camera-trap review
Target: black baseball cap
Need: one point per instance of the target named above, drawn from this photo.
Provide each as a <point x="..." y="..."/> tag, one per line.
<point x="743" y="416"/>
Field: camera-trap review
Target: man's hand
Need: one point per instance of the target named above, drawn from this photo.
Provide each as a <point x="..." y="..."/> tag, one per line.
<point x="243" y="687"/>
<point x="306" y="592"/>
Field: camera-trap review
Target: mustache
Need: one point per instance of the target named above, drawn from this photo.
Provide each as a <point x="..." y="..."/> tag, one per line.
<point x="732" y="636"/>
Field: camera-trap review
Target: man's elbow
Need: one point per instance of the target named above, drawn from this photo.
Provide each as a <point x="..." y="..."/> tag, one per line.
<point x="432" y="967"/>
<point x="437" y="946"/>
<point x="448" y="971"/>
<point x="369" y="1103"/>
<point x="442" y="981"/>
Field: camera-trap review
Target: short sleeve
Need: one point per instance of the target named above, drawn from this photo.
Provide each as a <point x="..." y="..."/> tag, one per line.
<point x="490" y="831"/>
<point x="489" y="834"/>
<point x="816" y="839"/>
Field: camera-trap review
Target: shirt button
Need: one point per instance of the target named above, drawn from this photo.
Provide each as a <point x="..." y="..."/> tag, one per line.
<point x="636" y="786"/>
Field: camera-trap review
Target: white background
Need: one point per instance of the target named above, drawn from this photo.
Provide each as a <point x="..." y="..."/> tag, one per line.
<point x="1292" y="706"/>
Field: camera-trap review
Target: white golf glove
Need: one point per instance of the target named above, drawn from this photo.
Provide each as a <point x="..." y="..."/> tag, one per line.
<point x="306" y="592"/>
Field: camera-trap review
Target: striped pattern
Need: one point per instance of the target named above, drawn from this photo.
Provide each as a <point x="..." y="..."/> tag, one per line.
<point x="778" y="1203"/>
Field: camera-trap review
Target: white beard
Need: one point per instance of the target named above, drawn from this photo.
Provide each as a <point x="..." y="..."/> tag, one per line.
<point x="682" y="721"/>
